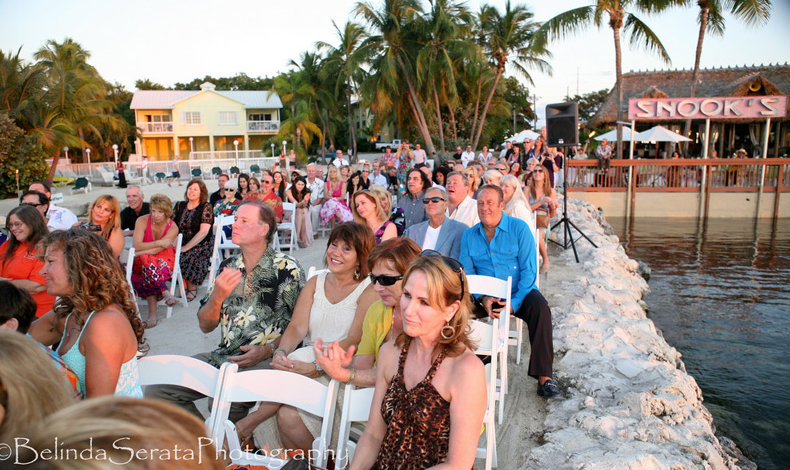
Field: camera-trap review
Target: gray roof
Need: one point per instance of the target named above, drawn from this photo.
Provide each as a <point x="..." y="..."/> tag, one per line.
<point x="165" y="99"/>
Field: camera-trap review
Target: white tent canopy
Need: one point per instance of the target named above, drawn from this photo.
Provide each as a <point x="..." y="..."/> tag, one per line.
<point x="659" y="134"/>
<point x="611" y="136"/>
<point x="525" y="134"/>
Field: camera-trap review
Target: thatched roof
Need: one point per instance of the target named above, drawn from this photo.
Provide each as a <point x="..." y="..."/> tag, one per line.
<point x="760" y="80"/>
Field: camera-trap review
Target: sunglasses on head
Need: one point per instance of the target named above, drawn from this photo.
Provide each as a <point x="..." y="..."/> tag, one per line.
<point x="451" y="263"/>
<point x="384" y="280"/>
<point x="434" y="199"/>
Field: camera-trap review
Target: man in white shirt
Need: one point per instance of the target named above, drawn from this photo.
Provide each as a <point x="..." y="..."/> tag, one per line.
<point x="461" y="207"/>
<point x="508" y="147"/>
<point x="339" y="160"/>
<point x="419" y="155"/>
<point x="468" y="155"/>
<point x="438" y="232"/>
<point x="377" y="177"/>
<point x="316" y="186"/>
<point x="58" y="218"/>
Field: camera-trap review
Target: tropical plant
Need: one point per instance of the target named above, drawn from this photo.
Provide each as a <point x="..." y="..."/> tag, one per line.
<point x="575" y="20"/>
<point x="21" y="158"/>
<point x="507" y="39"/>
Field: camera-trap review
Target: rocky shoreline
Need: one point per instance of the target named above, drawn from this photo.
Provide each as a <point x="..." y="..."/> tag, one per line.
<point x="630" y="403"/>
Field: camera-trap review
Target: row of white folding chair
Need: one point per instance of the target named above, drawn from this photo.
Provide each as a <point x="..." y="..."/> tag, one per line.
<point x="487" y="338"/>
<point x="176" y="281"/>
<point x="221" y="242"/>
<point x="487" y="285"/>
<point x="280" y="387"/>
<point x="288" y="208"/>
<point x="193" y="374"/>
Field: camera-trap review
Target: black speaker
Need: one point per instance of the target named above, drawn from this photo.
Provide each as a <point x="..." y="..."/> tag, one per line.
<point x="562" y="124"/>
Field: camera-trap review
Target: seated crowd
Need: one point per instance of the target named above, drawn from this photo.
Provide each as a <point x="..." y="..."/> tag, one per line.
<point x="391" y="309"/>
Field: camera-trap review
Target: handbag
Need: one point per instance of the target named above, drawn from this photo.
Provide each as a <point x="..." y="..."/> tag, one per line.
<point x="541" y="219"/>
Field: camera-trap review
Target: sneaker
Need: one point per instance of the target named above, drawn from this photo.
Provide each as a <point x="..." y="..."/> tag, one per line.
<point x="549" y="389"/>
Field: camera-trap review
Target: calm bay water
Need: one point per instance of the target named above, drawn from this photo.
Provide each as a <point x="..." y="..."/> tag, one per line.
<point x="721" y="295"/>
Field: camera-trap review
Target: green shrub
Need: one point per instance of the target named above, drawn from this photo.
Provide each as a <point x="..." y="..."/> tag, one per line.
<point x="18" y="152"/>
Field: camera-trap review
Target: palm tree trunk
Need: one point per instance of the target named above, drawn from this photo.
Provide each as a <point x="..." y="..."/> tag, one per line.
<point x="55" y="158"/>
<point x="477" y="106"/>
<point x="453" y="123"/>
<point x="439" y="119"/>
<point x="500" y="69"/>
<point x="415" y="102"/>
<point x="618" y="57"/>
<point x="323" y="128"/>
<point x="703" y="24"/>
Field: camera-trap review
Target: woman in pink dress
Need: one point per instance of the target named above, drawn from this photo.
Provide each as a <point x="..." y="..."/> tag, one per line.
<point x="335" y="207"/>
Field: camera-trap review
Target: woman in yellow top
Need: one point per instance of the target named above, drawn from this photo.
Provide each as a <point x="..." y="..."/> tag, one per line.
<point x="387" y="262"/>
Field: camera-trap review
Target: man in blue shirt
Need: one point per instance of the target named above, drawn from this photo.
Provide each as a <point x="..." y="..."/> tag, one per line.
<point x="501" y="246"/>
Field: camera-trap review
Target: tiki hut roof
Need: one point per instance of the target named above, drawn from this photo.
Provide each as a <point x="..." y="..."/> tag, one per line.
<point x="760" y="80"/>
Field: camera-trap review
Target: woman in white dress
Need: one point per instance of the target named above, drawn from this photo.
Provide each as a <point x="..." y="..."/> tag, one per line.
<point x="516" y="203"/>
<point x="331" y="306"/>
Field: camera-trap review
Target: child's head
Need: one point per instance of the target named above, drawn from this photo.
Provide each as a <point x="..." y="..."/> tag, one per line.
<point x="18" y="310"/>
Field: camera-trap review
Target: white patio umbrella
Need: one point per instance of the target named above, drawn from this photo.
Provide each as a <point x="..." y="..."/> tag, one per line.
<point x="659" y="134"/>
<point x="611" y="136"/>
<point x="525" y="134"/>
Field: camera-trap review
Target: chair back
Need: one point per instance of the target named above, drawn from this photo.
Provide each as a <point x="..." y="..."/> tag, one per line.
<point x="356" y="408"/>
<point x="129" y="264"/>
<point x="177" y="280"/>
<point x="279" y="387"/>
<point x="313" y="271"/>
<point x="196" y="172"/>
<point x="221" y="242"/>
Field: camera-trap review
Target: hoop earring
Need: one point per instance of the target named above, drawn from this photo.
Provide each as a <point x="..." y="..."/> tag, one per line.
<point x="447" y="336"/>
<point x="356" y="274"/>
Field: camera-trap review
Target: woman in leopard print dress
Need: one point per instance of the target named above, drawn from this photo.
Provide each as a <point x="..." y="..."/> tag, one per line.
<point x="427" y="378"/>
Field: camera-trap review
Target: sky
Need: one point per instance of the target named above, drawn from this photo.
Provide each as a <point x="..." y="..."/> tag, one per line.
<point x="171" y="41"/>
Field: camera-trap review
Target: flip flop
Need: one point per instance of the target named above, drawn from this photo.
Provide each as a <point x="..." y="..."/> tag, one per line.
<point x="191" y="294"/>
<point x="171" y="301"/>
<point x="150" y="323"/>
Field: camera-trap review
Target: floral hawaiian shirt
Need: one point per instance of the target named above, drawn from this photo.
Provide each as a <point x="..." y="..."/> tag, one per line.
<point x="260" y="307"/>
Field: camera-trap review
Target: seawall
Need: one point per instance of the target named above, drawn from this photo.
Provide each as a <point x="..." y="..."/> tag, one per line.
<point x="630" y="403"/>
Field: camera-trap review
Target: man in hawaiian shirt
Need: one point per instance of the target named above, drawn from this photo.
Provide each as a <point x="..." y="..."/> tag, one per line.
<point x="252" y="300"/>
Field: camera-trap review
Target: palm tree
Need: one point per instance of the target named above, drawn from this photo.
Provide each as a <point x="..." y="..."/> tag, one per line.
<point x="392" y="23"/>
<point x="20" y="82"/>
<point x="507" y="39"/>
<point x="711" y="20"/>
<point x="574" y="21"/>
<point x="310" y="73"/>
<point x="343" y="63"/>
<point x="443" y="32"/>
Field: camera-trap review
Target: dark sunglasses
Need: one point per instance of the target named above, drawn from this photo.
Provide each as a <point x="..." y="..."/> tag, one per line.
<point x="434" y="199"/>
<point x="537" y="171"/>
<point x="451" y="263"/>
<point x="384" y="280"/>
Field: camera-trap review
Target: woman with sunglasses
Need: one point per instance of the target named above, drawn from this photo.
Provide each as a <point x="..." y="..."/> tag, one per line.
<point x="331" y="307"/>
<point x="430" y="394"/>
<point x="19" y="258"/>
<point x="543" y="202"/>
<point x="383" y="322"/>
<point x="368" y="211"/>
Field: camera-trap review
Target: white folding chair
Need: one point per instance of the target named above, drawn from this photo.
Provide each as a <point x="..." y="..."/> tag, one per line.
<point x="221" y="242"/>
<point x="177" y="279"/>
<point x="313" y="271"/>
<point x="280" y="387"/>
<point x="190" y="373"/>
<point x="129" y="260"/>
<point x="486" y="335"/>
<point x="487" y="285"/>
<point x="288" y="207"/>
<point x="356" y="409"/>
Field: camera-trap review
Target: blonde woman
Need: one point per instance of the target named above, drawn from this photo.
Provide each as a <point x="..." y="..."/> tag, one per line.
<point x="106" y="213"/>
<point x="516" y="203"/>
<point x="395" y="215"/>
<point x="368" y="211"/>
<point x="32" y="387"/>
<point x="542" y="201"/>
<point x="335" y="208"/>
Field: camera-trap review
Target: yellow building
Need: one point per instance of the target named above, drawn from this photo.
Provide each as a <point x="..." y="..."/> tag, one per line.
<point x="178" y="122"/>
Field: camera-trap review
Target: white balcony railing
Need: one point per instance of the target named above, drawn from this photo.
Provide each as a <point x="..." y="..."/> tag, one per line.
<point x="155" y="127"/>
<point x="263" y="126"/>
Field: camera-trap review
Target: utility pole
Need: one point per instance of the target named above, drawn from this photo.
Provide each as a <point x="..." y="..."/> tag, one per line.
<point x="514" y="119"/>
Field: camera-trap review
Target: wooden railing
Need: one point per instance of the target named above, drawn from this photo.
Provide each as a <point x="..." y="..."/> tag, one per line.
<point x="155" y="127"/>
<point x="682" y="175"/>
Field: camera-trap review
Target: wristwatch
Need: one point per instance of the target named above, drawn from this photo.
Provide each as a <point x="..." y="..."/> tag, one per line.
<point x="317" y="367"/>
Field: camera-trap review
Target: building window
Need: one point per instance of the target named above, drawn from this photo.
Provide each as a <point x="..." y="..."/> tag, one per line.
<point x="227" y="118"/>
<point x="191" y="118"/>
<point x="259" y="117"/>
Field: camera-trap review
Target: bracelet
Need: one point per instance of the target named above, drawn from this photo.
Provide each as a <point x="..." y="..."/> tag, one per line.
<point x="351" y="377"/>
<point x="279" y="350"/>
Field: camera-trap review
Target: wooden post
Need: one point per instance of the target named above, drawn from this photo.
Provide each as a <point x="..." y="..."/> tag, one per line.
<point x="778" y="190"/>
<point x="762" y="169"/>
<point x="630" y="197"/>
<point x="702" y="192"/>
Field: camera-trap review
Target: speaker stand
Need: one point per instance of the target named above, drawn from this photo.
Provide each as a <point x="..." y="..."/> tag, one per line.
<point x="565" y="221"/>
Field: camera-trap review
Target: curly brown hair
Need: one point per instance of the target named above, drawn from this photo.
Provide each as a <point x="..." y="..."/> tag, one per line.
<point x="95" y="274"/>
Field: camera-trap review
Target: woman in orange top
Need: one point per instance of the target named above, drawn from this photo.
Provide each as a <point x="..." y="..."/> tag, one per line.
<point x="19" y="262"/>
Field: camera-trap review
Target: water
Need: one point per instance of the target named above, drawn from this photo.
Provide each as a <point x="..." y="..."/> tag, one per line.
<point x="721" y="295"/>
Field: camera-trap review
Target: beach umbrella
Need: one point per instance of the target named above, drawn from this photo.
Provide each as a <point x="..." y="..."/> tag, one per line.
<point x="659" y="134"/>
<point x="525" y="134"/>
<point x="611" y="136"/>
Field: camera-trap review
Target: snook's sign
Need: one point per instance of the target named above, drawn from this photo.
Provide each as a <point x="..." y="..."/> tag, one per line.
<point x="757" y="107"/>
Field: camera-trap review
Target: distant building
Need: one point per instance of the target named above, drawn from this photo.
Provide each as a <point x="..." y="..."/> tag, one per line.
<point x="365" y="124"/>
<point x="213" y="119"/>
<point x="729" y="135"/>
